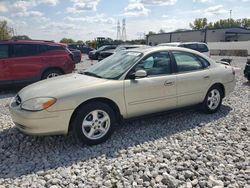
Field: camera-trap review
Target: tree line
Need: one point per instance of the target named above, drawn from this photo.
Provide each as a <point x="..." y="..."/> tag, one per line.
<point x="202" y="23"/>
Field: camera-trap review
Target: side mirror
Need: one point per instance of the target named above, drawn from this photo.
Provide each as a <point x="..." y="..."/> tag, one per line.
<point x="141" y="74"/>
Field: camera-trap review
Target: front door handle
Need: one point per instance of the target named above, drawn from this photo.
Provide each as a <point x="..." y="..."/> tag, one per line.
<point x="168" y="83"/>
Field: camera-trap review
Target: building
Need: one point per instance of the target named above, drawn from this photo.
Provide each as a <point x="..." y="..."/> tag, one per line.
<point x="202" y="35"/>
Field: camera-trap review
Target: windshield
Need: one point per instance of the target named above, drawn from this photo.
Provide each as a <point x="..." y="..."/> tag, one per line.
<point x="114" y="66"/>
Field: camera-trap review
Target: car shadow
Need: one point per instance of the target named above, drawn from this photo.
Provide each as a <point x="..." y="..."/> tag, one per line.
<point x="21" y="154"/>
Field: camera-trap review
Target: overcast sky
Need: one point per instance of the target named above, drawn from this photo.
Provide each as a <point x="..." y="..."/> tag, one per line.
<point x="87" y="19"/>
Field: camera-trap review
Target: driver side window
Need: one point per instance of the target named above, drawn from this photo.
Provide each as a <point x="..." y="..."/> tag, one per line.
<point x="155" y="64"/>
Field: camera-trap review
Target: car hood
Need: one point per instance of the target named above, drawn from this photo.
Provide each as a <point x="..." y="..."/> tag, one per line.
<point x="59" y="86"/>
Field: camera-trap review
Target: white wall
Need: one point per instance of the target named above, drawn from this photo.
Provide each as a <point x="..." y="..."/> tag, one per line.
<point x="243" y="45"/>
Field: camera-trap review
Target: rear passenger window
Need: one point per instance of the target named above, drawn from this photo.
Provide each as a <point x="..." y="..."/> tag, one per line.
<point x="187" y="62"/>
<point x="204" y="62"/>
<point x="202" y="48"/>
<point x="23" y="50"/>
<point x="4" y="51"/>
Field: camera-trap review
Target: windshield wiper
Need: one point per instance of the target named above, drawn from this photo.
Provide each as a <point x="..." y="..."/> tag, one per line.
<point x="91" y="74"/>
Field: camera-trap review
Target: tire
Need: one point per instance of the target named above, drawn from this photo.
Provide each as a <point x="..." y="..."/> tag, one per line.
<point x="248" y="77"/>
<point x="51" y="73"/>
<point x="213" y="100"/>
<point x="99" y="120"/>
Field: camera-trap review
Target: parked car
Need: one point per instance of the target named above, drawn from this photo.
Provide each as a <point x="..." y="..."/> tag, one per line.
<point x="96" y="53"/>
<point x="84" y="49"/>
<point x="197" y="46"/>
<point x="247" y="70"/>
<point x="77" y="55"/>
<point x="110" y="52"/>
<point x="23" y="62"/>
<point x="128" y="84"/>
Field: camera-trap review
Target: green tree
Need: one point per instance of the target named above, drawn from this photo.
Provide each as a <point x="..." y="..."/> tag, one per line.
<point x="199" y="23"/>
<point x="178" y="30"/>
<point x="79" y="42"/>
<point x="5" y="30"/>
<point x="21" y="37"/>
<point x="161" y="31"/>
<point x="67" y="40"/>
<point x="245" y="22"/>
<point x="151" y="33"/>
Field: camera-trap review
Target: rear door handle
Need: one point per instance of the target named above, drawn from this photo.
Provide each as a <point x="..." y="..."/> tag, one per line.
<point x="168" y="83"/>
<point x="206" y="77"/>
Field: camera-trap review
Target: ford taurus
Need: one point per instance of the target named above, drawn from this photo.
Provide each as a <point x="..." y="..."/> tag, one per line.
<point x="127" y="84"/>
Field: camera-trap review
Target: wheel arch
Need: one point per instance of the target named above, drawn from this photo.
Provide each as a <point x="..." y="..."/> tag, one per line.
<point x="107" y="101"/>
<point x="220" y="85"/>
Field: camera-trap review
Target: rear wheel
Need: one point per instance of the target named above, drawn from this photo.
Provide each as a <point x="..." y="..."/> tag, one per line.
<point x="51" y="74"/>
<point x="213" y="100"/>
<point x="94" y="123"/>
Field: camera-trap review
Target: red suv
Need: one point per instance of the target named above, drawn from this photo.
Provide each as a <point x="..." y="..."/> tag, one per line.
<point x="30" y="61"/>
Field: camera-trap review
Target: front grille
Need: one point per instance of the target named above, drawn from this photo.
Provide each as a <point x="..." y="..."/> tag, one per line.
<point x="18" y="100"/>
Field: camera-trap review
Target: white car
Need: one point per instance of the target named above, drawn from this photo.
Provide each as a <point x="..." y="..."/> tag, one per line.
<point x="127" y="84"/>
<point x="197" y="46"/>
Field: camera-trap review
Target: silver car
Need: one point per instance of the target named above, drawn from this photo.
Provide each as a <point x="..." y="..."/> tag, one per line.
<point x="127" y="84"/>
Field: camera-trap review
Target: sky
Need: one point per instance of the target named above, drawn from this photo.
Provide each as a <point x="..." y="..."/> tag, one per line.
<point x="88" y="19"/>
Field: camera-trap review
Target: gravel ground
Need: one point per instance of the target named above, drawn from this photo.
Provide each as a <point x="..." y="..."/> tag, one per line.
<point x="181" y="149"/>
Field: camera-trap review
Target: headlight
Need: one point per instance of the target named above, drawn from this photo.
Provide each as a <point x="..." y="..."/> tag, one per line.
<point x="37" y="104"/>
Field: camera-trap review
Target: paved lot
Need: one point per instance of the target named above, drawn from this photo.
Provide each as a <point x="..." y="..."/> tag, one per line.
<point x="181" y="149"/>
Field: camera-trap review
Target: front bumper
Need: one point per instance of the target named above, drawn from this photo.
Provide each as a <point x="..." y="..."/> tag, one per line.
<point x="41" y="122"/>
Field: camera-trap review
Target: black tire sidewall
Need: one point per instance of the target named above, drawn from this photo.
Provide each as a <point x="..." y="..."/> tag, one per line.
<point x="205" y="107"/>
<point x="81" y="114"/>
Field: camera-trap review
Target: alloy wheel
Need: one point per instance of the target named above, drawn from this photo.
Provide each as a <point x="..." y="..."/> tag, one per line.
<point x="96" y="124"/>
<point x="213" y="99"/>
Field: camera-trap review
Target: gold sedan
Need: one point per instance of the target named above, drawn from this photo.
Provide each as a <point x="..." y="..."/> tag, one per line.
<point x="127" y="84"/>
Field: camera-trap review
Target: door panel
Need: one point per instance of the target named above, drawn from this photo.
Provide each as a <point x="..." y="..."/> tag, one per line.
<point x="4" y="56"/>
<point x="193" y="78"/>
<point x="24" y="68"/>
<point x="24" y="62"/>
<point x="156" y="92"/>
<point x="192" y="87"/>
<point x="4" y="70"/>
<point x="150" y="95"/>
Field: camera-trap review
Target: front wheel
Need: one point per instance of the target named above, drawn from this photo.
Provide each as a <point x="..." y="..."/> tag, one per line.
<point x="213" y="100"/>
<point x="94" y="123"/>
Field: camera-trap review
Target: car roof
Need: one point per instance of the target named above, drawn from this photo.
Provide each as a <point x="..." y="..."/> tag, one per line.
<point x="165" y="48"/>
<point x="28" y="42"/>
<point x="169" y="44"/>
<point x="131" y="45"/>
<point x="179" y="43"/>
<point x="193" y="43"/>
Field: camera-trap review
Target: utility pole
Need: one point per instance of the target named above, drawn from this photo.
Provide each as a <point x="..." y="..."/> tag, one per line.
<point x="230" y="11"/>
